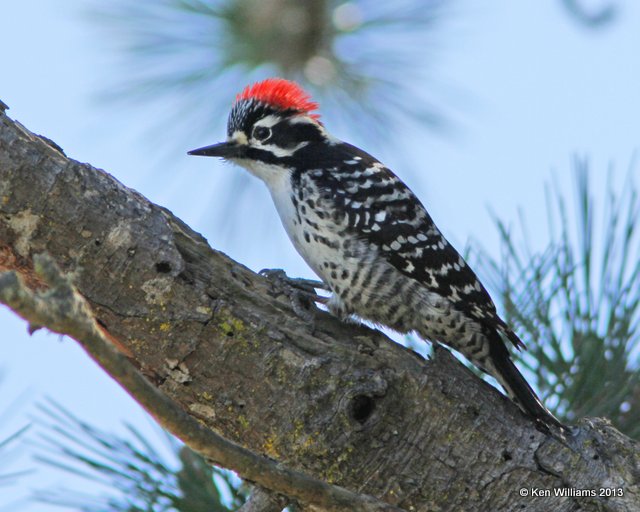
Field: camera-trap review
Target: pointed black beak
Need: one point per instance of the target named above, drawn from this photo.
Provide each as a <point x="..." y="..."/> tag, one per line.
<point x="223" y="150"/>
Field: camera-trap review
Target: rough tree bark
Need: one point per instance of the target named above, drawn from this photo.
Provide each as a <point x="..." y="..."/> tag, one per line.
<point x="339" y="403"/>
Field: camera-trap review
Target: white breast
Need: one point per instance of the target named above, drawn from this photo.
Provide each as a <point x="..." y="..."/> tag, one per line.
<point x="328" y="261"/>
<point x="278" y="181"/>
<point x="313" y="252"/>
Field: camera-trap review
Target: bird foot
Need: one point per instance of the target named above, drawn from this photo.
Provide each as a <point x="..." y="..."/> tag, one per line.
<point x="300" y="292"/>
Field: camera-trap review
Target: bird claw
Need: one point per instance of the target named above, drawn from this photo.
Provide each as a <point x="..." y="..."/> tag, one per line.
<point x="301" y="283"/>
<point x="300" y="292"/>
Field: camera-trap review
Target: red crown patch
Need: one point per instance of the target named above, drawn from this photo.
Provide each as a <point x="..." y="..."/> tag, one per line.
<point x="280" y="93"/>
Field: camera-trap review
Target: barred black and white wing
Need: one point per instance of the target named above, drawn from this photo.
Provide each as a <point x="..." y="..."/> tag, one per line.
<point x="373" y="205"/>
<point x="380" y="209"/>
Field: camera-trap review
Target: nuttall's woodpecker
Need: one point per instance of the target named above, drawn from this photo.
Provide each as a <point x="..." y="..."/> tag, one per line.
<point x="366" y="235"/>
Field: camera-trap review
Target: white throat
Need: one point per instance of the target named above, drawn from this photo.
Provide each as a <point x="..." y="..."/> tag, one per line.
<point x="273" y="175"/>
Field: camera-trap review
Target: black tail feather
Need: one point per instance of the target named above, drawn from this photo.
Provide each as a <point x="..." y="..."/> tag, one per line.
<point x="518" y="389"/>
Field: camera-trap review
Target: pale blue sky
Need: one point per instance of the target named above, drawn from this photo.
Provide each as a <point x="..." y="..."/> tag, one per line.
<point x="528" y="87"/>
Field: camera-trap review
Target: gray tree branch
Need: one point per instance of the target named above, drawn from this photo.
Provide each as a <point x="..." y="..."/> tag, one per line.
<point x="339" y="403"/>
<point x="63" y="310"/>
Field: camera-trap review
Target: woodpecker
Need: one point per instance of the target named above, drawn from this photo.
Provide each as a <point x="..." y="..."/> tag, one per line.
<point x="366" y="234"/>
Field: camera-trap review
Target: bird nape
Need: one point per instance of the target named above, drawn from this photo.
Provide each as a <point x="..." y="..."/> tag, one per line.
<point x="366" y="234"/>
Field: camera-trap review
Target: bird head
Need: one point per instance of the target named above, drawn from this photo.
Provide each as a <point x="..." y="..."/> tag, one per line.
<point x="269" y="122"/>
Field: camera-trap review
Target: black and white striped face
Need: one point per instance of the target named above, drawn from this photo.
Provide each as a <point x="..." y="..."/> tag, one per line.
<point x="267" y="137"/>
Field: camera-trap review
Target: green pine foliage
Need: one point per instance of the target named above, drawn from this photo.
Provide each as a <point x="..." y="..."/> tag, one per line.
<point x="357" y="58"/>
<point x="7" y="450"/>
<point x="135" y="474"/>
<point x="576" y="304"/>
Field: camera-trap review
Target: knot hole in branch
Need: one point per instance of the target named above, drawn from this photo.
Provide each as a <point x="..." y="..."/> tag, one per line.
<point x="361" y="407"/>
<point x="163" y="267"/>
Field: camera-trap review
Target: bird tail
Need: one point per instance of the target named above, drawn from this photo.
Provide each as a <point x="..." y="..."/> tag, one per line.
<point x="518" y="389"/>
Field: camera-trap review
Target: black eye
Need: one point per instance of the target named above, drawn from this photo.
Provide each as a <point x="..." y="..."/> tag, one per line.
<point x="261" y="133"/>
